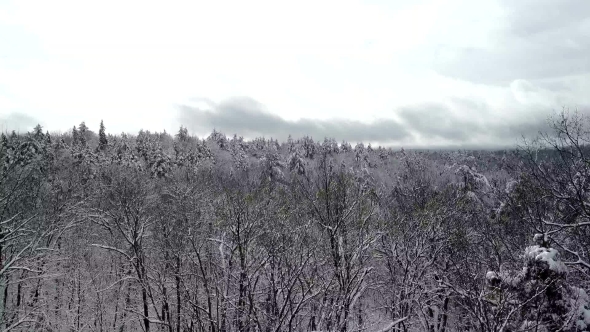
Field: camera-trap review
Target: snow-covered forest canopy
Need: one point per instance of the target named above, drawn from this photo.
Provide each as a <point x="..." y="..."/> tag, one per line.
<point x="160" y="232"/>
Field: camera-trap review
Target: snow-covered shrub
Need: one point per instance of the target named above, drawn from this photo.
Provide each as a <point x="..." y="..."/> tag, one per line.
<point x="538" y="297"/>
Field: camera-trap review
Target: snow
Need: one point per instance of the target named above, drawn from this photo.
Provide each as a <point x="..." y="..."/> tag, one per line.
<point x="472" y="196"/>
<point x="548" y="255"/>
<point x="478" y="179"/>
<point x="582" y="302"/>
<point x="515" y="280"/>
<point x="510" y="186"/>
<point x="500" y="209"/>
<point x="491" y="275"/>
<point x="482" y="180"/>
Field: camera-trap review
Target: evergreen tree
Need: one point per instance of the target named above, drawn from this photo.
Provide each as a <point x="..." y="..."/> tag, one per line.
<point x="309" y="148"/>
<point x="538" y="297"/>
<point x="359" y="152"/>
<point x="345" y="147"/>
<point x="75" y="136"/>
<point x="3" y="151"/>
<point x="83" y="131"/>
<point x="102" y="137"/>
<point x="38" y="132"/>
<point x="296" y="163"/>
<point x="182" y="134"/>
<point x="290" y="144"/>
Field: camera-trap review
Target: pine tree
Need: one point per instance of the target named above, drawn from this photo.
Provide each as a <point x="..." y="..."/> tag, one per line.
<point x="290" y="144"/>
<point x="3" y="151"/>
<point x="538" y="297"/>
<point x="83" y="131"/>
<point x="75" y="136"/>
<point x="296" y="163"/>
<point x="102" y="137"/>
<point x="359" y="152"/>
<point x="182" y="134"/>
<point x="38" y="132"/>
<point x="308" y="147"/>
<point x="345" y="147"/>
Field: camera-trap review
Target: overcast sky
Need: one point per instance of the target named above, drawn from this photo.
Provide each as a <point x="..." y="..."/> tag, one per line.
<point x="411" y="73"/>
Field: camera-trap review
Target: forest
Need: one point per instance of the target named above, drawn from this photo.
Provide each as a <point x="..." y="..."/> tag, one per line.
<point x="173" y="233"/>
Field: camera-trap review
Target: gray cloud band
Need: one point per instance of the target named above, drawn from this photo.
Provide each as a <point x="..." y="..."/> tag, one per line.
<point x="247" y="117"/>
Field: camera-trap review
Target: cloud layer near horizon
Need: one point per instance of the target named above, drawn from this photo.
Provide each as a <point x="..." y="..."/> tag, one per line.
<point x="427" y="125"/>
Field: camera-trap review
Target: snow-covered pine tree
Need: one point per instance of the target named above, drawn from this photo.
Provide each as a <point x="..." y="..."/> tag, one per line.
<point x="75" y="136"/>
<point x="102" y="137"/>
<point x="182" y="134"/>
<point x="538" y="297"/>
<point x="83" y="131"/>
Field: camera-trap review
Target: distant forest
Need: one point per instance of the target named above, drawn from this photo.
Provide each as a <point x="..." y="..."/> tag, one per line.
<point x="160" y="232"/>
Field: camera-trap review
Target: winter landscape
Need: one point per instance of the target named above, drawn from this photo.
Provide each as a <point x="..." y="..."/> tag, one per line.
<point x="295" y="166"/>
<point x="161" y="232"/>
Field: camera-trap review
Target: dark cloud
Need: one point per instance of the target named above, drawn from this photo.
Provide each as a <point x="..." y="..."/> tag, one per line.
<point x="249" y="118"/>
<point x="436" y="121"/>
<point x="18" y="122"/>
<point x="541" y="39"/>
<point x="436" y="124"/>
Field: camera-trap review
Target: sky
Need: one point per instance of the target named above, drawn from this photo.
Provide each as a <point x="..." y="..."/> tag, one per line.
<point x="422" y="73"/>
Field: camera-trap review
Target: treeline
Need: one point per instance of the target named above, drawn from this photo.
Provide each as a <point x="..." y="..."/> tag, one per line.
<point x="156" y="232"/>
